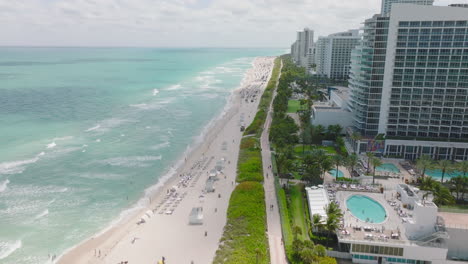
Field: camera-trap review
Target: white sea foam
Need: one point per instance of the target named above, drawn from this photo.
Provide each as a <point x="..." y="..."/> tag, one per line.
<point x="3" y="185"/>
<point x="98" y="140"/>
<point x="174" y="87"/>
<point x="14" y="167"/>
<point x="63" y="138"/>
<point x="107" y="124"/>
<point x="154" y="105"/>
<point x="101" y="176"/>
<point x="155" y="92"/>
<point x="51" y="145"/>
<point x="161" y="146"/>
<point x="133" y="161"/>
<point x="41" y="154"/>
<point x="93" y="128"/>
<point x="7" y="248"/>
<point x="42" y="214"/>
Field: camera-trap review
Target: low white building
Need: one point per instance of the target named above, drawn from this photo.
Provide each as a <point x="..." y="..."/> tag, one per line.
<point x="411" y="232"/>
<point x="334" y="111"/>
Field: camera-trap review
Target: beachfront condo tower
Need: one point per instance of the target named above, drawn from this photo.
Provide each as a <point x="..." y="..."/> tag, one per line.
<point x="409" y="82"/>
<point x="387" y="4"/>
<point x="333" y="54"/>
<point x="302" y="49"/>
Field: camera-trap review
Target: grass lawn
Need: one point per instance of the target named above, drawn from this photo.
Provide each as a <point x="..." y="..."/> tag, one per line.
<point x="293" y="106"/>
<point x="297" y="210"/>
<point x="329" y="149"/>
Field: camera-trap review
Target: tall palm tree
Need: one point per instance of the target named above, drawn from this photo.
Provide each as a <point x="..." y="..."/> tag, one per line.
<point x="333" y="209"/>
<point x="462" y="167"/>
<point x="376" y="162"/>
<point x="317" y="222"/>
<point x="445" y="166"/>
<point x="331" y="225"/>
<point x="337" y="160"/>
<point x="458" y="185"/>
<point x="351" y="162"/>
<point x="424" y="162"/>
<point x="297" y="231"/>
<point x="355" y="137"/>
<point x="369" y="156"/>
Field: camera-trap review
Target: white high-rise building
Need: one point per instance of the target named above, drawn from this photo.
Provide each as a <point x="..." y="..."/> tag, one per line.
<point x="409" y="82"/>
<point x="333" y="53"/>
<point x="387" y="4"/>
<point x="302" y="49"/>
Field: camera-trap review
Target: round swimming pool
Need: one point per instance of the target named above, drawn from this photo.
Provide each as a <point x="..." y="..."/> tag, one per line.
<point x="366" y="209"/>
<point x="334" y="173"/>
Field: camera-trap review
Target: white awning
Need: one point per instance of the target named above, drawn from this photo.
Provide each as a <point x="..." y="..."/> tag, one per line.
<point x="318" y="200"/>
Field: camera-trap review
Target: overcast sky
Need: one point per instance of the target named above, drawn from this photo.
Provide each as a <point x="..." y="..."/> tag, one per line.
<point x="177" y="23"/>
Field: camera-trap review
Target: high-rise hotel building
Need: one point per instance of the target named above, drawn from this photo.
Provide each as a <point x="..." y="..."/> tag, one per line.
<point x="302" y="49"/>
<point x="333" y="53"/>
<point x="409" y="82"/>
<point x="387" y="4"/>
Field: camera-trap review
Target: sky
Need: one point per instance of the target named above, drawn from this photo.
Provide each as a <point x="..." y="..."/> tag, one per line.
<point x="177" y="23"/>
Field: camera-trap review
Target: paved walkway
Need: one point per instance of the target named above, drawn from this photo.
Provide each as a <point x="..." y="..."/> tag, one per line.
<point x="277" y="253"/>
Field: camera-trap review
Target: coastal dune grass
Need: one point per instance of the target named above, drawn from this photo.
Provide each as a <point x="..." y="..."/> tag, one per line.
<point x="249" y="166"/>
<point x="244" y="238"/>
<point x="257" y="124"/>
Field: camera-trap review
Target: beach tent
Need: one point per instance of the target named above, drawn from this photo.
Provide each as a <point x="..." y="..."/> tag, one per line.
<point x="209" y="185"/>
<point x="196" y="216"/>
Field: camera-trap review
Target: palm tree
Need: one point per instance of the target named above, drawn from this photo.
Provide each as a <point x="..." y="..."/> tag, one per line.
<point x="424" y="162"/>
<point x="331" y="225"/>
<point x="333" y="209"/>
<point x="446" y="167"/>
<point x="317" y="222"/>
<point x="376" y="162"/>
<point x="337" y="160"/>
<point x="355" y="137"/>
<point x="462" y="167"/>
<point x="369" y="156"/>
<point x="441" y="194"/>
<point x="296" y="230"/>
<point x="458" y="185"/>
<point x="351" y="162"/>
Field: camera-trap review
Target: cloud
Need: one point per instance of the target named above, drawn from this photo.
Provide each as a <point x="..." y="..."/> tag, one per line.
<point x="175" y="23"/>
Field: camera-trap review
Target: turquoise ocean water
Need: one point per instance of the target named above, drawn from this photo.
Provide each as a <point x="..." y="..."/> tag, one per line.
<point x="84" y="132"/>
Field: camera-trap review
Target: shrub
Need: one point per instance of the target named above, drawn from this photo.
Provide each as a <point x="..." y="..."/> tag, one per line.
<point x="244" y="232"/>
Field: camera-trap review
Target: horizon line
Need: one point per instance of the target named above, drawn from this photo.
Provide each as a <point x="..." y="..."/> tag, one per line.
<point x="161" y="47"/>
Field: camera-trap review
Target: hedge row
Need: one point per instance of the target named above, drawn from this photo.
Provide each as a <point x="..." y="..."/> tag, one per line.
<point x="244" y="238"/>
<point x="257" y="124"/>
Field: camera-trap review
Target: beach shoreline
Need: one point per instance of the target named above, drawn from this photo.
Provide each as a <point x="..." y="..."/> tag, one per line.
<point x="125" y="240"/>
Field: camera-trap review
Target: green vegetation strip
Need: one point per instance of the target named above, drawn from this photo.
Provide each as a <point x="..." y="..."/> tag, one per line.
<point x="244" y="238"/>
<point x="283" y="208"/>
<point x="249" y="166"/>
<point x="297" y="210"/>
<point x="257" y="124"/>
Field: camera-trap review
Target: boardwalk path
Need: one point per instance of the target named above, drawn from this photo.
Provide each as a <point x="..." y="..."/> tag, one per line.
<point x="277" y="253"/>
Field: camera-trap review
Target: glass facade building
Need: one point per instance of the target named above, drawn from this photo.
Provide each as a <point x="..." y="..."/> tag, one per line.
<point x="366" y="75"/>
<point x="409" y="81"/>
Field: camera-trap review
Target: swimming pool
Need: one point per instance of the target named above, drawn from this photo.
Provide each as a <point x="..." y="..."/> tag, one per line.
<point x="366" y="209"/>
<point x="437" y="174"/>
<point x="334" y="172"/>
<point x="389" y="167"/>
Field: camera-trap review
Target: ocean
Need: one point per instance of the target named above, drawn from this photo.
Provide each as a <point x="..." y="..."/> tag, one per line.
<point x="85" y="133"/>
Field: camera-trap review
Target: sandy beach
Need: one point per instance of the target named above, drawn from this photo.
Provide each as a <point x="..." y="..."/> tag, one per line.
<point x="162" y="229"/>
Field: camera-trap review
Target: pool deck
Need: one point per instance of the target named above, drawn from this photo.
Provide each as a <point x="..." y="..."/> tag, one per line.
<point x="381" y="232"/>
